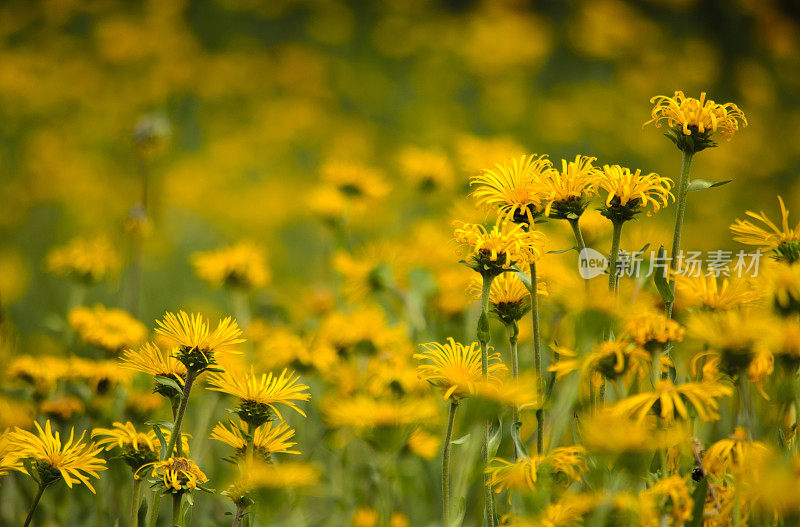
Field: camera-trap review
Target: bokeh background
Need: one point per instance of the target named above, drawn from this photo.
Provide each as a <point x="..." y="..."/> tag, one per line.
<point x="259" y="100"/>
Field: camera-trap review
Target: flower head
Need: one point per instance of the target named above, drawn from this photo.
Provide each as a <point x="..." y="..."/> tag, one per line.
<point x="783" y="241"/>
<point x="736" y="334"/>
<point x="514" y="187"/>
<point x="365" y="413"/>
<point x="509" y="298"/>
<point x="260" y="395"/>
<point x="494" y="251"/>
<point x="269" y="438"/>
<point x="708" y="292"/>
<point x="109" y="329"/>
<point x="652" y="331"/>
<point x="456" y="368"/>
<point x="196" y="343"/>
<point x="243" y="265"/>
<point x="138" y="448"/>
<point x="567" y="191"/>
<point x="150" y="359"/>
<point x="671" y="495"/>
<point x="429" y="170"/>
<point x="670" y="401"/>
<point x="628" y="193"/>
<point x="734" y="455"/>
<point x="178" y="474"/>
<point x="53" y="460"/>
<point x="85" y="260"/>
<point x="692" y="121"/>
<point x="522" y="475"/>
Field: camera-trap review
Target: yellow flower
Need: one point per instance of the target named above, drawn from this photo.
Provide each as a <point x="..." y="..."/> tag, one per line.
<point x="43" y="372"/>
<point x="109" y="329"/>
<point x="259" y="395"/>
<point x="428" y="170"/>
<point x="567" y="190"/>
<point x="269" y="438"/>
<point x="672" y="497"/>
<point x="61" y="408"/>
<point x="628" y="193"/>
<point x="669" y="401"/>
<point x="494" y="251"/>
<point x="150" y="359"/>
<point x="514" y="187"/>
<point x="289" y="475"/>
<point x="761" y="367"/>
<point x="736" y="334"/>
<point x="456" y="368"/>
<point x="368" y="517"/>
<point x="9" y="460"/>
<point x="100" y="375"/>
<point x="423" y="444"/>
<point x="356" y="183"/>
<point x="193" y="336"/>
<point x="610" y="433"/>
<point x="365" y="413"/>
<point x="569" y="511"/>
<point x="698" y="118"/>
<point x="72" y="461"/>
<point x="509" y="299"/>
<point x="126" y="436"/>
<point x="715" y="294"/>
<point x="242" y="265"/>
<point x="735" y="455"/>
<point x="652" y="331"/>
<point x="522" y="475"/>
<point x="782" y="284"/>
<point x="84" y="260"/>
<point x="178" y="474"/>
<point x="785" y="241"/>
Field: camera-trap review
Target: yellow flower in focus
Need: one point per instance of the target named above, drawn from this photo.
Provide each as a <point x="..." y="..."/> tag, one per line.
<point x="85" y="260"/>
<point x="8" y="454"/>
<point x="697" y="119"/>
<point x="178" y="474"/>
<point x="192" y="335"/>
<point x="513" y="187"/>
<point x="243" y="265"/>
<point x="494" y="251"/>
<point x="259" y="395"/>
<point x="456" y="368"/>
<point x="783" y="240"/>
<point x="567" y="190"/>
<point x="628" y="193"/>
<point x="109" y="329"/>
<point x="509" y="299"/>
<point x="735" y="455"/>
<point x="72" y="461"/>
<point x="150" y="359"/>
<point x="671" y="402"/>
<point x="269" y="438"/>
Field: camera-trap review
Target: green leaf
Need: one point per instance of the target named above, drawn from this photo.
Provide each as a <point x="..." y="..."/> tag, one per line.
<point x="526" y="280"/>
<point x="461" y="440"/>
<point x="166" y="381"/>
<point x="660" y="279"/>
<point x="521" y="450"/>
<point x="458" y="514"/>
<point x="699" y="497"/>
<point x="702" y="184"/>
<point x="564" y="250"/>
<point x="30" y="469"/>
<point x="495" y="434"/>
<point x="161" y="439"/>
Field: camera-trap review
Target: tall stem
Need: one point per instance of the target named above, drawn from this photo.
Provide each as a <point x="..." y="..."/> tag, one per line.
<point x="613" y="279"/>
<point x="576" y="230"/>
<point x="537" y="355"/>
<point x="174" y="436"/>
<point x="448" y="437"/>
<point x="683" y="190"/>
<point x="176" y="509"/>
<point x="39" y="493"/>
<point x="137" y="485"/>
<point x="237" y="516"/>
<point x="513" y="330"/>
<point x="483" y="339"/>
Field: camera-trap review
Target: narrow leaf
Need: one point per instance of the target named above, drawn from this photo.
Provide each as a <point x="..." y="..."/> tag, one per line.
<point x="702" y="184"/>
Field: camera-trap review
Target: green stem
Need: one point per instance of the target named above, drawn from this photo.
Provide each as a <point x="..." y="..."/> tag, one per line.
<point x="237" y="516"/>
<point x="137" y="485"/>
<point x="39" y="493"/>
<point x="176" y="433"/>
<point x="448" y="437"/>
<point x="576" y="230"/>
<point x="176" y="509"/>
<point x="483" y="339"/>
<point x="613" y="279"/>
<point x="683" y="189"/>
<point x="513" y="331"/>
<point x="537" y="355"/>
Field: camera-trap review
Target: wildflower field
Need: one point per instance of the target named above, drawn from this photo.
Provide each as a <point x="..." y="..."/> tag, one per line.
<point x="399" y="263"/>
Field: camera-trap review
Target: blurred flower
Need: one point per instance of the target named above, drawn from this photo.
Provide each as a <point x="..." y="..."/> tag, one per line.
<point x="243" y="265"/>
<point x="364" y="413"/>
<point x="423" y="444"/>
<point x="607" y="432"/>
<point x="42" y="372"/>
<point x="109" y="329"/>
<point x="652" y="331"/>
<point x="782" y="285"/>
<point x="456" y="368"/>
<point x="514" y="187"/>
<point x="734" y="455"/>
<point x="628" y="193"/>
<point x="706" y="291"/>
<point x="61" y="408"/>
<point x="428" y="170"/>
<point x="84" y="260"/>
<point x="367" y="517"/>
<point x="672" y="497"/>
<point x="737" y="335"/>
<point x="669" y="401"/>
<point x="53" y="460"/>
<point x="522" y="475"/>
<point x="784" y="241"/>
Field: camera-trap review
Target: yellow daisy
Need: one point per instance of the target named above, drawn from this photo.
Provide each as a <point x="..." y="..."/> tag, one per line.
<point x="109" y="329"/>
<point x="260" y="395"/>
<point x="178" y="474"/>
<point x="150" y="359"/>
<point x="84" y="260"/>
<point x="196" y="343"/>
<point x="783" y="240"/>
<point x="514" y="187"/>
<point x="494" y="251"/>
<point x="567" y="190"/>
<point x="671" y="402"/>
<point x="269" y="438"/>
<point x="456" y="368"/>
<point x="628" y="193"/>
<point x="734" y="455"/>
<point x="242" y="265"/>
